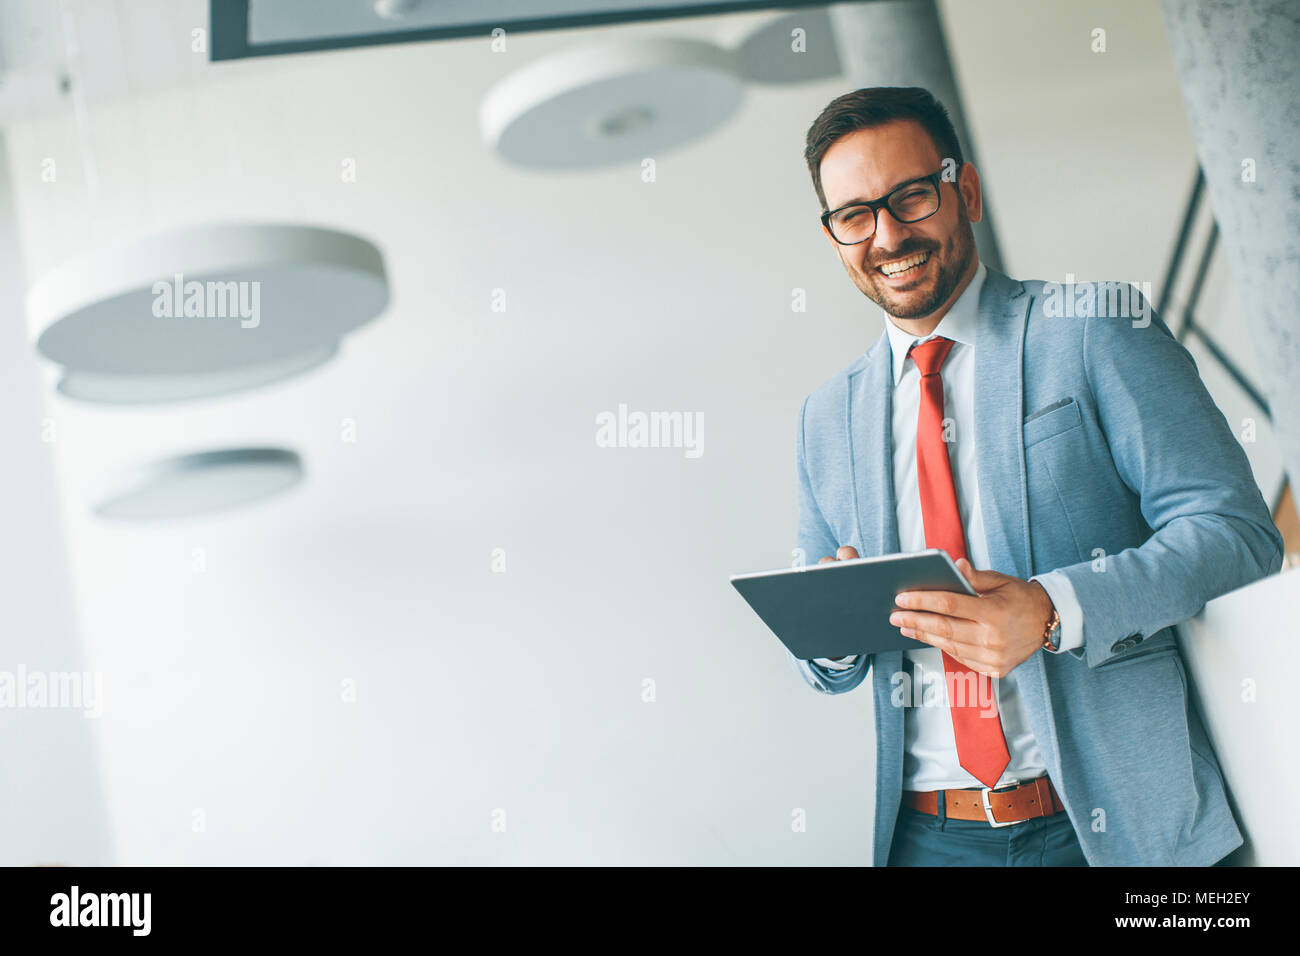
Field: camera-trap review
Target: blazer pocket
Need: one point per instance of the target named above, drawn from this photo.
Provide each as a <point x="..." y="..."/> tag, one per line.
<point x="1139" y="653"/>
<point x="1052" y="420"/>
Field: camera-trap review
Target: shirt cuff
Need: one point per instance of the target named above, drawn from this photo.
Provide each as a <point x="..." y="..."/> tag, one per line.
<point x="1061" y="591"/>
<point x="836" y="663"/>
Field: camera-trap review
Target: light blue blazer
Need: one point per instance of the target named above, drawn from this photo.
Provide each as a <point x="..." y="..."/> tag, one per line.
<point x="1100" y="453"/>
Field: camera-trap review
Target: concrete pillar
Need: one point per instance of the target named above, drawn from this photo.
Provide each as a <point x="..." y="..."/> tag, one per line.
<point x="900" y="43"/>
<point x="1236" y="62"/>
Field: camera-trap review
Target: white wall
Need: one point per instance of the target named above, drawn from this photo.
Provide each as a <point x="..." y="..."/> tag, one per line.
<point x="1241" y="654"/>
<point x="52" y="799"/>
<point x="475" y="430"/>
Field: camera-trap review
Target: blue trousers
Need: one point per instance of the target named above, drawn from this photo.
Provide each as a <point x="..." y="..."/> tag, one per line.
<point x="922" y="839"/>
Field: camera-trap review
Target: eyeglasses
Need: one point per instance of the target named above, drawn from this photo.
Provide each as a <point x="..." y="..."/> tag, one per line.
<point x="913" y="201"/>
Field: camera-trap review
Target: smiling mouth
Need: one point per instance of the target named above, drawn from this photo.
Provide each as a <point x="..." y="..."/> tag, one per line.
<point x="904" y="268"/>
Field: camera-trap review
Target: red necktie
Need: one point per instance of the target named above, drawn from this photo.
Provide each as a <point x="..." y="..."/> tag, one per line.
<point x="981" y="746"/>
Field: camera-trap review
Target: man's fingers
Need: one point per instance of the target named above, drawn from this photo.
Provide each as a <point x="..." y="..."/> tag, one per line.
<point x="954" y="629"/>
<point x="945" y="602"/>
<point x="964" y="654"/>
<point x="967" y="569"/>
<point x="934" y="640"/>
<point x="846" y="552"/>
<point x="980" y="580"/>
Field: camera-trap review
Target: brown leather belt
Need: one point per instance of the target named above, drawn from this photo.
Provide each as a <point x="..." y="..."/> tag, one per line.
<point x="1033" y="798"/>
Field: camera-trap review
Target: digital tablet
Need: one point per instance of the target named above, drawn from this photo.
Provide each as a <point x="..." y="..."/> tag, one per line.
<point x="843" y="607"/>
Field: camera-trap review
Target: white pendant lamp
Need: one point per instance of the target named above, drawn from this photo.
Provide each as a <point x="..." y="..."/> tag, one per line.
<point x="152" y="389"/>
<point x="199" y="483"/>
<point x="614" y="102"/>
<point x="204" y="310"/>
<point x="794" y="47"/>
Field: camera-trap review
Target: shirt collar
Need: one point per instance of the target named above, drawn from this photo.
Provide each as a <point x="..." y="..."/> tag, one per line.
<point x="958" y="324"/>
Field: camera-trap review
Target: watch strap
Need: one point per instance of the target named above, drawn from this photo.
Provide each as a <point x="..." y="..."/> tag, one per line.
<point x="1052" y="633"/>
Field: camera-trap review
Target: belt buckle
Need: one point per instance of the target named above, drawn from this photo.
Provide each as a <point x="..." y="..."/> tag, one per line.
<point x="988" y="810"/>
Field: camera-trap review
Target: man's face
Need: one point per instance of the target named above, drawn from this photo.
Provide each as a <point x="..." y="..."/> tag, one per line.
<point x="867" y="164"/>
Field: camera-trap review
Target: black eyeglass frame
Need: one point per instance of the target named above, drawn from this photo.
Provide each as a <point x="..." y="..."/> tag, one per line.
<point x="875" y="205"/>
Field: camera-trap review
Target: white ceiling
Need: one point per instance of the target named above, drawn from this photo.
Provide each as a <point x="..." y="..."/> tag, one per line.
<point x="226" y="643"/>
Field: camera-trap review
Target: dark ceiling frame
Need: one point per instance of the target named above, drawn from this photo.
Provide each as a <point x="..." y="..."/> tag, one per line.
<point x="229" y="26"/>
<point x="1189" y="325"/>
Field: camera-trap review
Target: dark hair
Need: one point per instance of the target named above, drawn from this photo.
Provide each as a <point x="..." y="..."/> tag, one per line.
<point x="874" y="106"/>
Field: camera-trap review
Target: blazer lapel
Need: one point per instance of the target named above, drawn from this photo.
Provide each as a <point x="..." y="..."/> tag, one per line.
<point x="999" y="385"/>
<point x="1000" y="461"/>
<point x="869" y="416"/>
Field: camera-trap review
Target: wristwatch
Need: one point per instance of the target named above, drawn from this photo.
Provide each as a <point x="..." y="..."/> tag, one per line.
<point x="1052" y="633"/>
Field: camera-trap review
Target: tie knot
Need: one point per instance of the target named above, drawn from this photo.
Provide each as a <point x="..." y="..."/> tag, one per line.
<point x="929" y="355"/>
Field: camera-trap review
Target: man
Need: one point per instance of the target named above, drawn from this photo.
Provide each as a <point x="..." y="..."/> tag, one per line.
<point x="1064" y="446"/>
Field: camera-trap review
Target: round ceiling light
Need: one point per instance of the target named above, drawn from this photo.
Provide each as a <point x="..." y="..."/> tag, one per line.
<point x="200" y="483"/>
<point x="147" y="389"/>
<point x="795" y="47"/>
<point x="211" y="302"/>
<point x="612" y="103"/>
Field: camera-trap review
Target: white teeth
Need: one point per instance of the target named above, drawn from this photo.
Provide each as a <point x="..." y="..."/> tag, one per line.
<point x="902" y="265"/>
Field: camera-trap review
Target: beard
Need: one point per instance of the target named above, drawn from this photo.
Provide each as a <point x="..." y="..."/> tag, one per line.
<point x="950" y="263"/>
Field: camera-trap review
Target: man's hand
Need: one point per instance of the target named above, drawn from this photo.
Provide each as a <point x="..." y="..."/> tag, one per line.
<point x="991" y="633"/>
<point x="846" y="552"/>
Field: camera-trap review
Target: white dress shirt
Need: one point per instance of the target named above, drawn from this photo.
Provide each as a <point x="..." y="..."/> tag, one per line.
<point x="930" y="757"/>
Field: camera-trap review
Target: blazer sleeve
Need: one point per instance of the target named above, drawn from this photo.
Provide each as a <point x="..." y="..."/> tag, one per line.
<point x="814" y="540"/>
<point x="1172" y="446"/>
